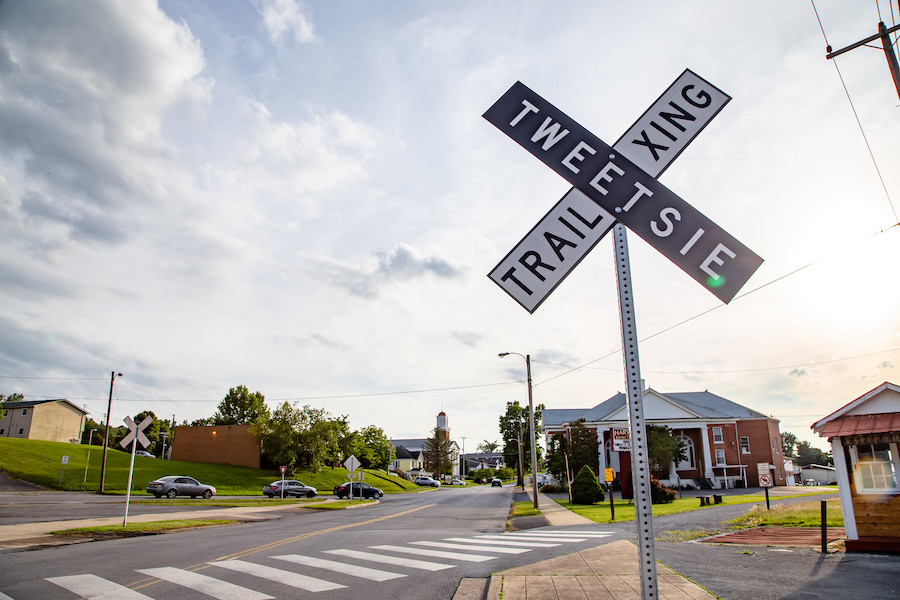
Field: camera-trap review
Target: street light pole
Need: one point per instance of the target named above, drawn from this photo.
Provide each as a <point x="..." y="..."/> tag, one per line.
<point x="112" y="380"/>
<point x="534" y="489"/>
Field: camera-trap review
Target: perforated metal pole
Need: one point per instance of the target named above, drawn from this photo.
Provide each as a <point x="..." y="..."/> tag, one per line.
<point x="640" y="465"/>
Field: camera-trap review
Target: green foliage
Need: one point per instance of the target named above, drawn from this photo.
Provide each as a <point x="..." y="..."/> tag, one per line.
<point x="482" y="475"/>
<point x="505" y="473"/>
<point x="663" y="448"/>
<point x="240" y="407"/>
<point x="487" y="446"/>
<point x="557" y="447"/>
<point x="661" y="494"/>
<point x="809" y="455"/>
<point x="437" y="451"/>
<point x="512" y="423"/>
<point x="585" y="489"/>
<point x="583" y="448"/>
<point x="14" y="397"/>
<point x="788" y="443"/>
<point x="279" y="436"/>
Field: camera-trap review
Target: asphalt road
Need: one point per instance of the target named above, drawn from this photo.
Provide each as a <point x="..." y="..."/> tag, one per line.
<point x="166" y="566"/>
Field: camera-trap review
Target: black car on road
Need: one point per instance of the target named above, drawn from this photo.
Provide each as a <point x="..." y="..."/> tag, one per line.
<point x="360" y="490"/>
<point x="292" y="487"/>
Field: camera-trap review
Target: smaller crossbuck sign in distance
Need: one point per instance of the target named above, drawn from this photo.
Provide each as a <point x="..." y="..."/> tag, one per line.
<point x="683" y="234"/>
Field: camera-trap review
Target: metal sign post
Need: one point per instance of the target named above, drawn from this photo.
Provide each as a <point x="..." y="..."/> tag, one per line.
<point x="351" y="464"/>
<point x="618" y="183"/>
<point x="136" y="435"/>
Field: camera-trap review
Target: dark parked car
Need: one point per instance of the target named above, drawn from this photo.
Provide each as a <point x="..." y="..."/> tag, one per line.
<point x="360" y="490"/>
<point x="292" y="487"/>
<point x="179" y="485"/>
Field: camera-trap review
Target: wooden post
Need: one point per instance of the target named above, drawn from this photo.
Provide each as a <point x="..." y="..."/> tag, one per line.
<point x="824" y="526"/>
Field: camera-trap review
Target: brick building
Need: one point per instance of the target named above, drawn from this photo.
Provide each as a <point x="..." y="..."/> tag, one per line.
<point x="723" y="440"/>
<point x="218" y="444"/>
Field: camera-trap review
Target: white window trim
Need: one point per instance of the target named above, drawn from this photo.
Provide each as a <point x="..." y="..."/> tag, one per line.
<point x="720" y="452"/>
<point x="721" y="436"/>
<point x="858" y="480"/>
<point x="747" y="449"/>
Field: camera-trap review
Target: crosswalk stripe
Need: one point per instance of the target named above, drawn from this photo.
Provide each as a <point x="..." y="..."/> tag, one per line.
<point x="499" y="549"/>
<point x="344" y="568"/>
<point x="542" y="538"/>
<point x="524" y="540"/>
<point x="5" y="597"/>
<point x="222" y="590"/>
<point x="565" y="534"/>
<point x="435" y="553"/>
<point x="391" y="560"/>
<point x="503" y="541"/>
<point x="304" y="582"/>
<point x="96" y="588"/>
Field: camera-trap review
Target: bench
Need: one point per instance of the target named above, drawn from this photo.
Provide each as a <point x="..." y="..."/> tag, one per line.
<point x="717" y="498"/>
<point x="705" y="500"/>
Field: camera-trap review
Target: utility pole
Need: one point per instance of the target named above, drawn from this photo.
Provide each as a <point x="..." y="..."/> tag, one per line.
<point x="112" y="380"/>
<point x="884" y="34"/>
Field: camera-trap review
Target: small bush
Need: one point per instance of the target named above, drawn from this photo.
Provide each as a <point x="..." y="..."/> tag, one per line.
<point x="585" y="489"/>
<point x="659" y="493"/>
<point x="549" y="488"/>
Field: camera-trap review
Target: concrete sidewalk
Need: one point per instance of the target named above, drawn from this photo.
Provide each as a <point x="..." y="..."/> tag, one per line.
<point x="608" y="571"/>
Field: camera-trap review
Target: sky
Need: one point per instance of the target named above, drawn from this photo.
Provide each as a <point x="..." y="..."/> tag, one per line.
<point x="303" y="197"/>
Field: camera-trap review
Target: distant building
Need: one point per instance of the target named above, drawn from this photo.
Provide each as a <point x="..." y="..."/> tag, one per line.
<point x="413" y="454"/>
<point x="50" y="420"/>
<point x="818" y="475"/>
<point x="483" y="460"/>
<point x="217" y="444"/>
<point x="723" y="440"/>
<point x="865" y="444"/>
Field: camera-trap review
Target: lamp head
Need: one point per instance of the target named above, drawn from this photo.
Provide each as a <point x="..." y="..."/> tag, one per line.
<point x="502" y="354"/>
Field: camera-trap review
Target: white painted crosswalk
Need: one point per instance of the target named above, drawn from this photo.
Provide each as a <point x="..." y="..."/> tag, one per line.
<point x="341" y="568"/>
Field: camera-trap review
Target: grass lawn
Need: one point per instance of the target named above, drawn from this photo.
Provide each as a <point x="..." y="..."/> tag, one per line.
<point x="133" y="529"/>
<point x="523" y="509"/>
<point x="600" y="513"/>
<point x="41" y="462"/>
<point x="807" y="514"/>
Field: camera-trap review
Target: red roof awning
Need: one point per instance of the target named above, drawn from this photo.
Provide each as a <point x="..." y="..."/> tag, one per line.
<point x="862" y="424"/>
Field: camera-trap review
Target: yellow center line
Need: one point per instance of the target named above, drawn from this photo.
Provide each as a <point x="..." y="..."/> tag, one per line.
<point x="200" y="566"/>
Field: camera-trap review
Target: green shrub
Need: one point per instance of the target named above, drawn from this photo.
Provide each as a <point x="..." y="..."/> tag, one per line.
<point x="659" y="493"/>
<point x="585" y="489"/>
<point x="505" y="473"/>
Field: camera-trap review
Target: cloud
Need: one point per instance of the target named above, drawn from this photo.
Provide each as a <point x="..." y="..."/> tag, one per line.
<point x="886" y="365"/>
<point x="82" y="104"/>
<point x="281" y="17"/>
<point x="402" y="264"/>
<point x="797" y="372"/>
<point x="469" y="338"/>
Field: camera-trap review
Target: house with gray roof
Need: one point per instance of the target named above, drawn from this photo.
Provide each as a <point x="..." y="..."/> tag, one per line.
<point x="723" y="440"/>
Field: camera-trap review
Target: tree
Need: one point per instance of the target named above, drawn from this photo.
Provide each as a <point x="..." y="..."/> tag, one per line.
<point x="378" y="447"/>
<point x="788" y="443"/>
<point x="663" y="448"/>
<point x="437" y="451"/>
<point x="585" y="489"/>
<point x="487" y="447"/>
<point x="557" y="447"/>
<point x="511" y="424"/>
<point x="808" y="455"/>
<point x="14" y="397"/>
<point x="279" y="436"/>
<point x="583" y="448"/>
<point x="240" y="407"/>
<point x="92" y="431"/>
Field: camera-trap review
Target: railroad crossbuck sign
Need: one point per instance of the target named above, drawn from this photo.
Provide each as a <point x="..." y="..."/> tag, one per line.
<point x="617" y="183"/>
<point x="136" y="431"/>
